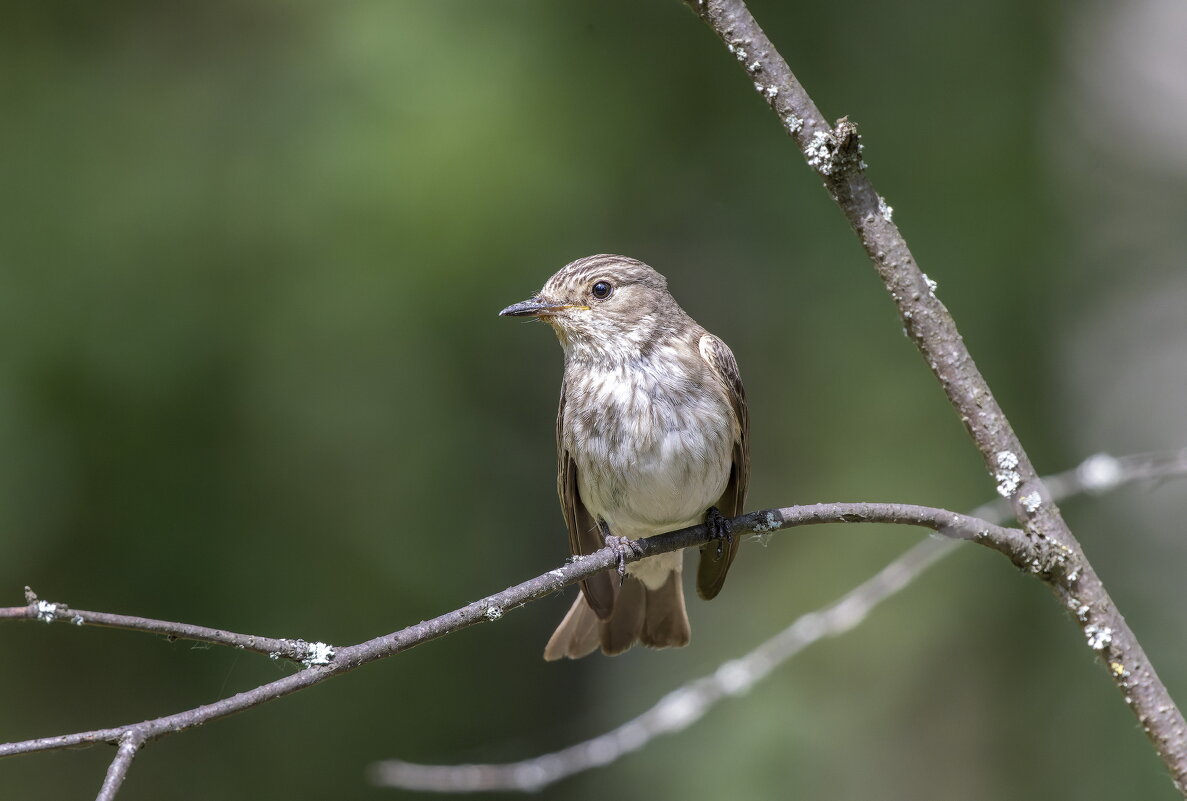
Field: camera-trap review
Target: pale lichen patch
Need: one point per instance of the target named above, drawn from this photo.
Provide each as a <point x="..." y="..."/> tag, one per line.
<point x="1031" y="501"/>
<point x="763" y="526"/>
<point x="1007" y="475"/>
<point x="1099" y="637"/>
<point x="46" y="611"/>
<point x="317" y="653"/>
<point x="820" y="153"/>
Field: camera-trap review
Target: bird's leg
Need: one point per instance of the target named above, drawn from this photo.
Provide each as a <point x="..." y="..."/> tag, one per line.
<point x="719" y="527"/>
<point x="622" y="546"/>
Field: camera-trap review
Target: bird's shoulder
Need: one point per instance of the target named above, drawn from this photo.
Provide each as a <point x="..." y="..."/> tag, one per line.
<point x="722" y="363"/>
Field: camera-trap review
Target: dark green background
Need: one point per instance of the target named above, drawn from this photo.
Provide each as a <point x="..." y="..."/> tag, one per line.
<point x="251" y="376"/>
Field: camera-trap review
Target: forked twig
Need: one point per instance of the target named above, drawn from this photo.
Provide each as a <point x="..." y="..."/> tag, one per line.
<point x="687" y="704"/>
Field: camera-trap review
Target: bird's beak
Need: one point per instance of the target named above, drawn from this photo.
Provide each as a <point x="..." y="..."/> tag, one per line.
<point x="536" y="307"/>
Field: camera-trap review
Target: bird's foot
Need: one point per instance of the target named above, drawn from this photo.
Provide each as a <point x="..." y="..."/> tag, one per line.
<point x="624" y="547"/>
<point x="720" y="528"/>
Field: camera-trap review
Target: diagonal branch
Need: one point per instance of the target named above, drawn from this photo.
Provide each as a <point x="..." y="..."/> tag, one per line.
<point x="118" y="770"/>
<point x="835" y="154"/>
<point x="687" y="704"/>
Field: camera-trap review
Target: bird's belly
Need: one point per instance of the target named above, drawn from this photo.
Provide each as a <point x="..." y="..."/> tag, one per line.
<point x="653" y="447"/>
<point x="663" y="488"/>
<point x="666" y="484"/>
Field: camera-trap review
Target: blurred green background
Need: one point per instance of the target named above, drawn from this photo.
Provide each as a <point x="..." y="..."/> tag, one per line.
<point x="251" y="376"/>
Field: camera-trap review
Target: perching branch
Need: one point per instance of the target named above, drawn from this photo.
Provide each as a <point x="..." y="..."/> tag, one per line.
<point x="835" y="154"/>
<point x="1095" y="475"/>
<point x="334" y="661"/>
<point x="687" y="704"/>
<point x="678" y="709"/>
<point x="328" y="661"/>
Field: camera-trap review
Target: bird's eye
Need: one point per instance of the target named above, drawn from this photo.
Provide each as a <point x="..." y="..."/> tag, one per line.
<point x="601" y="290"/>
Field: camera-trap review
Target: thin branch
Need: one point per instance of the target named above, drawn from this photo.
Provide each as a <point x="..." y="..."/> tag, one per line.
<point x="684" y="706"/>
<point x="49" y="611"/>
<point x="329" y="662"/>
<point x="680" y="708"/>
<point x="118" y="770"/>
<point x="491" y="608"/>
<point x="835" y="154"/>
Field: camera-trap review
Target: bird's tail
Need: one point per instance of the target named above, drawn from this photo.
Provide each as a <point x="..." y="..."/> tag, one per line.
<point x="656" y="618"/>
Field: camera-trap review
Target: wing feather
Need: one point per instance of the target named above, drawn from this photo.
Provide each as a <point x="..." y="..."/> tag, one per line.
<point x="712" y="568"/>
<point x="585" y="537"/>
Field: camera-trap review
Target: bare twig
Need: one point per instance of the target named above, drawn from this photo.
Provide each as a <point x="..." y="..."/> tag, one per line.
<point x="327" y="662"/>
<point x="49" y="611"/>
<point x="491" y="608"/>
<point x="835" y="154"/>
<point x="118" y="770"/>
<point x="680" y="708"/>
<point x="687" y="704"/>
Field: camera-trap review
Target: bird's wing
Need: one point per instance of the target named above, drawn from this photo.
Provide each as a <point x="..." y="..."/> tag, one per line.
<point x="713" y="567"/>
<point x="585" y="537"/>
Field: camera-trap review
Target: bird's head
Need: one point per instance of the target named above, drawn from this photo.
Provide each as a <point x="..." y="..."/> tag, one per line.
<point x="603" y="302"/>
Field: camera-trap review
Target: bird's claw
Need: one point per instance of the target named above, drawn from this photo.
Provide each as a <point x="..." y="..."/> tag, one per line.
<point x="623" y="546"/>
<point x="719" y="527"/>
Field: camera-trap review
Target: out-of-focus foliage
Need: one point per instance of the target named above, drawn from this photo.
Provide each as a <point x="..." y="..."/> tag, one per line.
<point x="251" y="376"/>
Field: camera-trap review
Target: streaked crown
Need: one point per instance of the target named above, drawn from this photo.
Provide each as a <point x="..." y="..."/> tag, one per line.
<point x="577" y="276"/>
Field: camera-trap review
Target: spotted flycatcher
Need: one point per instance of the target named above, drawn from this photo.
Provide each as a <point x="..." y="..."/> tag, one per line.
<point x="651" y="436"/>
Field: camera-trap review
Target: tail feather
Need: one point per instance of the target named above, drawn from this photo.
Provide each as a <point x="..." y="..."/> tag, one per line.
<point x="577" y="635"/>
<point x="622" y="629"/>
<point x="656" y="618"/>
<point x="666" y="622"/>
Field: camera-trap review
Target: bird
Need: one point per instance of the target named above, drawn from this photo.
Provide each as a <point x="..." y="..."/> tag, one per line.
<point x="652" y="435"/>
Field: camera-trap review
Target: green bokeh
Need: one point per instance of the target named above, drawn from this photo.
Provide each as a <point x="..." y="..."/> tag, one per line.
<point x="251" y="376"/>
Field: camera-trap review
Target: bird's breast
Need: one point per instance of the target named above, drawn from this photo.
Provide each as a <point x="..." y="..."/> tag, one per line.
<point x="652" y="441"/>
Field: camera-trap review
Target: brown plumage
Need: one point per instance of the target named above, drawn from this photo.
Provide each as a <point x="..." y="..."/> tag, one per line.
<point x="652" y="431"/>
